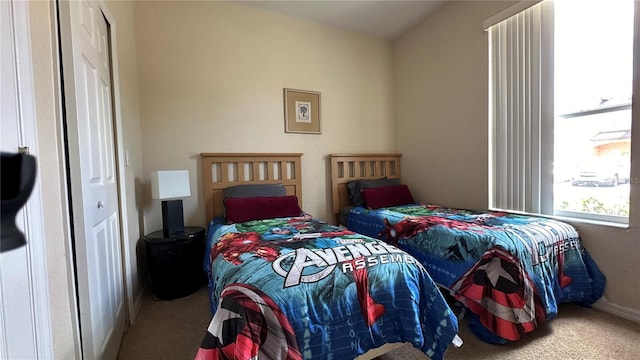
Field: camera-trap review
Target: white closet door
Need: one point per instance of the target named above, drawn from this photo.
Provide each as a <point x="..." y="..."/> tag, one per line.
<point x="87" y="70"/>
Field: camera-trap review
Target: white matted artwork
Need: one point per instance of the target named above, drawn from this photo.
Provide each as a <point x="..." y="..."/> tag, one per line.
<point x="303" y="112"/>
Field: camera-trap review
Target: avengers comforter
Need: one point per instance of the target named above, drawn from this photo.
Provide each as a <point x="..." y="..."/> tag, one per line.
<point x="509" y="270"/>
<point x="295" y="288"/>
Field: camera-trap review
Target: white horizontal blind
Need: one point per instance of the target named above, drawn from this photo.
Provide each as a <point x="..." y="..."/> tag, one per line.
<point x="515" y="112"/>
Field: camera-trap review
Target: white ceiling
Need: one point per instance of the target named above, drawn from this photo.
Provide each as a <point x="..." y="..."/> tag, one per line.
<point x="380" y="18"/>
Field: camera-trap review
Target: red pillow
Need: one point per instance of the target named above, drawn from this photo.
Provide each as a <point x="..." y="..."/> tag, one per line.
<point x="375" y="198"/>
<point x="257" y="208"/>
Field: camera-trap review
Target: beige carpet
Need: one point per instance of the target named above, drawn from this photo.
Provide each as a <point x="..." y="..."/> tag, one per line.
<point x="173" y="330"/>
<point x="167" y="329"/>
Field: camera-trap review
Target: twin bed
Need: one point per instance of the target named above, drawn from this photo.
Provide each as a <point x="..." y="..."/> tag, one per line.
<point x="286" y="285"/>
<point x="509" y="271"/>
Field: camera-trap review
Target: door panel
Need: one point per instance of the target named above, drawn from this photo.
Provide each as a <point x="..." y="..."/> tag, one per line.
<point x="94" y="186"/>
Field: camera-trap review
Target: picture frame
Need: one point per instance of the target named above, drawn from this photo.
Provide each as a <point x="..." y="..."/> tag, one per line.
<point x="301" y="111"/>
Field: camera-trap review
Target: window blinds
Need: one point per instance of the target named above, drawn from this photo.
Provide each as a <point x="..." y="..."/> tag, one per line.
<point x="517" y="130"/>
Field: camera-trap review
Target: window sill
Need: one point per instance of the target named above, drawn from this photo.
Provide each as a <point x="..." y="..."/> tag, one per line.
<point x="566" y="217"/>
<point x="593" y="219"/>
<point x="570" y="219"/>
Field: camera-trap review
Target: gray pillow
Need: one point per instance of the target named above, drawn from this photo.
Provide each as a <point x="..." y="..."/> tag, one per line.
<point x="254" y="190"/>
<point x="354" y="188"/>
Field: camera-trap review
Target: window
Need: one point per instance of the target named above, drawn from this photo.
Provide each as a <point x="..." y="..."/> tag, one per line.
<point x="560" y="109"/>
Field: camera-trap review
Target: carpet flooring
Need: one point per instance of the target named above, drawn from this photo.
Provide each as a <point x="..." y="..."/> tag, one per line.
<point x="173" y="330"/>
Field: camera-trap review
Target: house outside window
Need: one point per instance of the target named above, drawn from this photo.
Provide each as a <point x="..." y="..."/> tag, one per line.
<point x="560" y="109"/>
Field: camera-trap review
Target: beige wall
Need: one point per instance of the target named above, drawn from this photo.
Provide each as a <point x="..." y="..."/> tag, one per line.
<point x="211" y="78"/>
<point x="440" y="73"/>
<point x="128" y="112"/>
<point x="51" y="165"/>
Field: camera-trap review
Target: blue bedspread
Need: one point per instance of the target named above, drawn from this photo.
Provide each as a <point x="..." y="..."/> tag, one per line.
<point x="295" y="288"/>
<point x="510" y="270"/>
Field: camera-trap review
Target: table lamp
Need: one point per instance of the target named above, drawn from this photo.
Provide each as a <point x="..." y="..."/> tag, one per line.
<point x="168" y="186"/>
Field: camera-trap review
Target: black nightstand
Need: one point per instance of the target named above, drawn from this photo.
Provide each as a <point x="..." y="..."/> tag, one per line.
<point x="175" y="262"/>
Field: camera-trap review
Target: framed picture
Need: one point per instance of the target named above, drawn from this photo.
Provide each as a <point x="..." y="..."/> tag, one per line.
<point x="301" y="111"/>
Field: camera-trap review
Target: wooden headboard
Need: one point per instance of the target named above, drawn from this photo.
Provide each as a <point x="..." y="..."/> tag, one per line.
<point x="350" y="167"/>
<point x="221" y="170"/>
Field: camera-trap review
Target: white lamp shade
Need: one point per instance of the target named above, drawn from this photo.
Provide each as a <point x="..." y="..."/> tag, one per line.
<point x="170" y="184"/>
